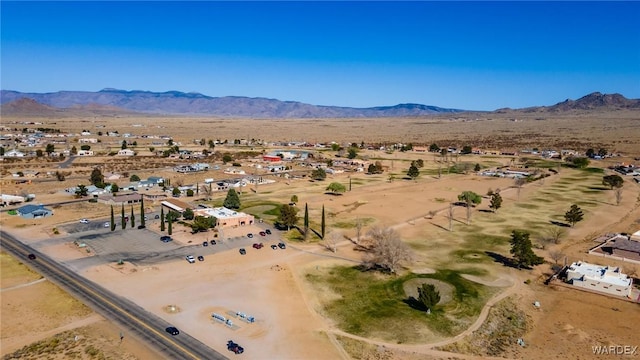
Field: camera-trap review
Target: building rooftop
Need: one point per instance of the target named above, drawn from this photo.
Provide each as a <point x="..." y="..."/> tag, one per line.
<point x="221" y="213"/>
<point x="611" y="275"/>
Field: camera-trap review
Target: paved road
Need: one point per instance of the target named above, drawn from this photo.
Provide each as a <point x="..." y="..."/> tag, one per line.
<point x="135" y="319"/>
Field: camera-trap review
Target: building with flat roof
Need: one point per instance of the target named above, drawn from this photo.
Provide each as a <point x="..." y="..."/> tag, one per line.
<point x="176" y="205"/>
<point x="226" y="218"/>
<point x="605" y="279"/>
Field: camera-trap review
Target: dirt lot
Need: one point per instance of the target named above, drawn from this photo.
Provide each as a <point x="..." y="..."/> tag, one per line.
<point x="269" y="284"/>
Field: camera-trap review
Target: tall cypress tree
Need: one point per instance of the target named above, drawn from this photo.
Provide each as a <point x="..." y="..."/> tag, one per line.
<point x="113" y="220"/>
<point x="124" y="223"/>
<point x="322" y="224"/>
<point x="169" y="229"/>
<point x="161" y="219"/>
<point x="142" y="212"/>
<point x="306" y="220"/>
<point x="133" y="219"/>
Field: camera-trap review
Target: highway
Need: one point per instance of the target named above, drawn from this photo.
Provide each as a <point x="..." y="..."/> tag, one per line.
<point x="146" y="326"/>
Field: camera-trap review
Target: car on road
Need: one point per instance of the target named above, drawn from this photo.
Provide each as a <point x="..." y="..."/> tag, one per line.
<point x="213" y="242"/>
<point x="165" y="238"/>
<point x="190" y="259"/>
<point x="107" y="224"/>
<point x="268" y="232"/>
<point x="257" y="246"/>
<point x="205" y="243"/>
<point x="31" y="256"/>
<point x="157" y="216"/>
<point x="282" y="245"/>
<point x="274" y="247"/>
<point x="249" y="235"/>
<point x="200" y="258"/>
<point x="262" y="233"/>
<point x="140" y="227"/>
<point x="242" y="251"/>
<point x="232" y="346"/>
<point x="84" y="221"/>
<point x="172" y="330"/>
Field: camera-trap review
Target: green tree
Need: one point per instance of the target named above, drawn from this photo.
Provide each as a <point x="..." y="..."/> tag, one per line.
<point x="134" y="177"/>
<point x="170" y="227"/>
<point x="232" y="201"/>
<point x="175" y="191"/>
<point x="614" y="181"/>
<point x="322" y="224"/>
<point x="189" y="193"/>
<point x="434" y="148"/>
<point x="74" y="150"/>
<point x="335" y="147"/>
<point x="162" y="219"/>
<point x="81" y="191"/>
<point x="142" y="220"/>
<point x="39" y="153"/>
<point x="371" y="169"/>
<point x="85" y="147"/>
<point x="466" y="150"/>
<point x="294" y="199"/>
<point x="428" y="296"/>
<point x="413" y="172"/>
<point x="573" y="215"/>
<point x="521" y="250"/>
<point x="580" y="162"/>
<point x="477" y="168"/>
<point x="319" y="174"/>
<point x="124" y="144"/>
<point x="122" y="219"/>
<point x="49" y="149"/>
<point x="590" y="153"/>
<point x="97" y="178"/>
<point x="602" y="152"/>
<point x="132" y="218"/>
<point x="496" y="202"/>
<point x="227" y="158"/>
<point x="419" y="163"/>
<point x="188" y="214"/>
<point x="115" y="188"/>
<point x="212" y="144"/>
<point x="203" y="223"/>
<point x="288" y="216"/>
<point x="352" y="153"/>
<point x="470" y="197"/>
<point x="306" y="220"/>
<point x="336" y="187"/>
<point x="113" y="220"/>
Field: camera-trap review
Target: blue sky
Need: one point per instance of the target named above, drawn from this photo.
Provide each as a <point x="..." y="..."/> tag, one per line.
<point x="468" y="55"/>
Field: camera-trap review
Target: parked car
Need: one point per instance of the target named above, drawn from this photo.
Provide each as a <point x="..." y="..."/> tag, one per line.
<point x="262" y="233"/>
<point x="282" y="245"/>
<point x="84" y="221"/>
<point x="107" y="224"/>
<point x="157" y="216"/>
<point x="172" y="330"/>
<point x="232" y="346"/>
<point x="249" y="235"/>
<point x="200" y="258"/>
<point x="213" y="242"/>
<point x="204" y="243"/>
<point x="31" y="256"/>
<point x="268" y="232"/>
<point x="140" y="227"/>
<point x="242" y="251"/>
<point x="257" y="246"/>
<point x="165" y="238"/>
<point x="190" y="259"/>
<point x="274" y="247"/>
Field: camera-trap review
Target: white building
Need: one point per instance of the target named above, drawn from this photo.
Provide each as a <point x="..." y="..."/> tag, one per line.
<point x="85" y="153"/>
<point x="13" y="153"/>
<point x="126" y="152"/>
<point x="605" y="279"/>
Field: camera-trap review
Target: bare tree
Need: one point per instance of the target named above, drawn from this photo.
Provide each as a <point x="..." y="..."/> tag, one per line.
<point x="450" y="216"/>
<point x="387" y="251"/>
<point x="556" y="255"/>
<point x="331" y="241"/>
<point x="179" y="181"/>
<point x="359" y="224"/>
<point x="555" y="234"/>
<point x="519" y="182"/>
<point x="207" y="191"/>
<point x="618" y="193"/>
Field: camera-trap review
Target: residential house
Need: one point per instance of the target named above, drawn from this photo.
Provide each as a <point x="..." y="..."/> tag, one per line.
<point x="604" y="279"/>
<point x="226" y="218"/>
<point x="34" y="211"/>
<point x="126" y="152"/>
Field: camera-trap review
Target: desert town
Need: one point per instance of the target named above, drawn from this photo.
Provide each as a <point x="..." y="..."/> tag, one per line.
<point x="275" y="245"/>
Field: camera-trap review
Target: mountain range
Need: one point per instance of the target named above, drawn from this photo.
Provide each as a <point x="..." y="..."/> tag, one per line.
<point x="110" y="101"/>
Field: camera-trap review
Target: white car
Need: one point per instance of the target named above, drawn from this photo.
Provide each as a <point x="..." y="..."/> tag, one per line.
<point x="84" y="221"/>
<point x="190" y="259"/>
<point x="107" y="224"/>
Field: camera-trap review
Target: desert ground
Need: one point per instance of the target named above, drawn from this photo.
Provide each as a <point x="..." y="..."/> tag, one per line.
<point x="293" y="316"/>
